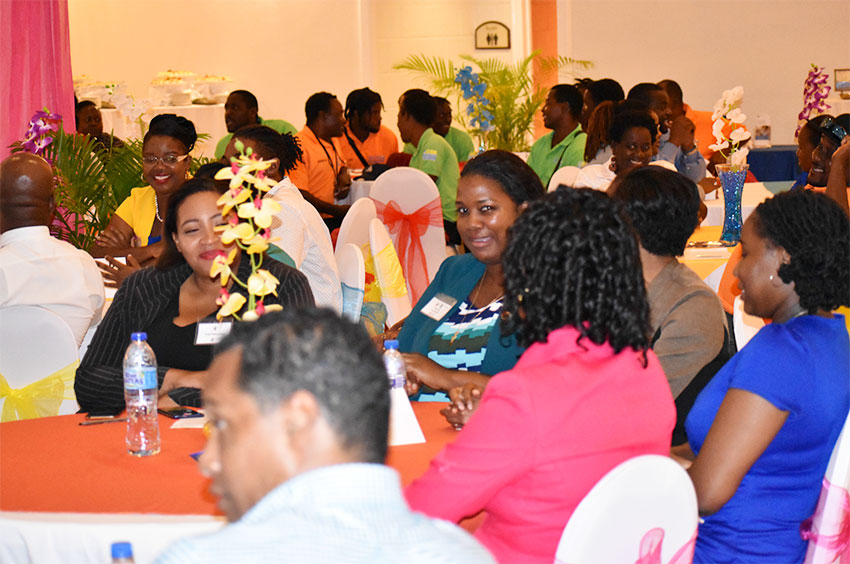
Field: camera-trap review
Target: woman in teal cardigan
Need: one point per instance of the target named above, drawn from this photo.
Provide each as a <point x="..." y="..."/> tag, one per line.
<point x="452" y="336"/>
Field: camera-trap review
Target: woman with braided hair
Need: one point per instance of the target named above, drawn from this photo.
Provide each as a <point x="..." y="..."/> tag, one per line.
<point x="586" y="395"/>
<point x="297" y="229"/>
<point x="763" y="429"/>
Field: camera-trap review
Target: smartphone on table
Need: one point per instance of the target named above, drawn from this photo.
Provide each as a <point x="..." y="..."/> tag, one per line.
<point x="180" y="413"/>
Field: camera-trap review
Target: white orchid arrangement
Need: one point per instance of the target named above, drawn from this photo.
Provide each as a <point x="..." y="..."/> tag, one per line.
<point x="728" y="117"/>
<point x="127" y="105"/>
<point x="250" y="229"/>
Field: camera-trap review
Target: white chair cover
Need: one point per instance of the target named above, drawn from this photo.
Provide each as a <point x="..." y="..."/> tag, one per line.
<point x="713" y="279"/>
<point x="36" y="343"/>
<point x="408" y="203"/>
<point x="644" y="510"/>
<point x="355" y="225"/>
<point x="746" y="326"/>
<point x="565" y="175"/>
<point x="388" y="271"/>
<point x="828" y="531"/>
<point x="352" y="276"/>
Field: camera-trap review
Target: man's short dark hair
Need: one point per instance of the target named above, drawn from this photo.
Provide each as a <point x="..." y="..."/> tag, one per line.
<point x="672" y="88"/>
<point x="249" y="99"/>
<point x="642" y="93"/>
<point x="419" y="105"/>
<point x="331" y="358"/>
<point x="360" y="101"/>
<point x="316" y="103"/>
<point x="663" y="206"/>
<point x="605" y="90"/>
<point x="569" y="94"/>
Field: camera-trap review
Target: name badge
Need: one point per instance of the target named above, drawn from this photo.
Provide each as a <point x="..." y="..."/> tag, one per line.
<point x="439" y="306"/>
<point x="212" y="332"/>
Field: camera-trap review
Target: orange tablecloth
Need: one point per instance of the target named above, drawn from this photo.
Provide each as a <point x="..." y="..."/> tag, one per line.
<point x="55" y="465"/>
<point x="704" y="267"/>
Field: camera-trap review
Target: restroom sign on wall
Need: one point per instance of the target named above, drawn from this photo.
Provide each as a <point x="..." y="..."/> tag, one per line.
<point x="492" y="35"/>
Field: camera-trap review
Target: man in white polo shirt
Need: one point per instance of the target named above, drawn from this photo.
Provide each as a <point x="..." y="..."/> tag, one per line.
<point x="297" y="228"/>
<point x="35" y="268"/>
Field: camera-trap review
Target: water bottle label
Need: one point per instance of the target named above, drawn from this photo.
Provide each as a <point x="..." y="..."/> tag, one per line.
<point x="142" y="378"/>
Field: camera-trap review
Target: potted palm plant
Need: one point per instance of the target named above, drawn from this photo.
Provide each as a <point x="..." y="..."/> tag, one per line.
<point x="496" y="103"/>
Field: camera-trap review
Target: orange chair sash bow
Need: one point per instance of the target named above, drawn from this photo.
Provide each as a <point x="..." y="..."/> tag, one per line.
<point x="408" y="230"/>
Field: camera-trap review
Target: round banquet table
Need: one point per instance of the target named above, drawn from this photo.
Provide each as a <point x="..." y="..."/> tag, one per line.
<point x="68" y="491"/>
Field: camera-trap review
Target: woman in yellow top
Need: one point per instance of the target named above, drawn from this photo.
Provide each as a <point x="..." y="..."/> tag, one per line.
<point x="135" y="230"/>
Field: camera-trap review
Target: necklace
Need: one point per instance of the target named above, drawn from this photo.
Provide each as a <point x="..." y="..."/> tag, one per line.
<point x="480" y="311"/>
<point x="156" y="207"/>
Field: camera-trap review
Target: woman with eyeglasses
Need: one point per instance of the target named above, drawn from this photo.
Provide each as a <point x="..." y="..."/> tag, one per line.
<point x="135" y="230"/>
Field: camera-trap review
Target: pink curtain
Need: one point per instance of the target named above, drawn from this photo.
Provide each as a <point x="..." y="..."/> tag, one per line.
<point x="35" y="65"/>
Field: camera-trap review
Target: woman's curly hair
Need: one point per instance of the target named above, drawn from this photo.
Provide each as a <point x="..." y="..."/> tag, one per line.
<point x="815" y="232"/>
<point x="572" y="259"/>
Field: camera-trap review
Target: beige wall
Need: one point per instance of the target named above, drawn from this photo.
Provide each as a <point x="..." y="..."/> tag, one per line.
<point x="282" y="50"/>
<point x="711" y="45"/>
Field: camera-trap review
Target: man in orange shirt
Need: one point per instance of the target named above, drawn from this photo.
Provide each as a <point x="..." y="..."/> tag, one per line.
<point x="365" y="141"/>
<point x="322" y="176"/>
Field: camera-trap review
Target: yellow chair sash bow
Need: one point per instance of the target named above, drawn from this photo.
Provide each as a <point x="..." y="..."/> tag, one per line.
<point x="39" y="399"/>
<point x="386" y="262"/>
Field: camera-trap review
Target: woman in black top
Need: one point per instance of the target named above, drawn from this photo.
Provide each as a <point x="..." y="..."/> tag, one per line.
<point x="168" y="301"/>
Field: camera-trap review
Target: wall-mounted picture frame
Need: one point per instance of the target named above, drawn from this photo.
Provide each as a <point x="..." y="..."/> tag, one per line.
<point x="492" y="35"/>
<point x="842" y="83"/>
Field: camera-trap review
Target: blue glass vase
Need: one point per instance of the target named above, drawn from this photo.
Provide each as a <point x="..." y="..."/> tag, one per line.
<point x="732" y="182"/>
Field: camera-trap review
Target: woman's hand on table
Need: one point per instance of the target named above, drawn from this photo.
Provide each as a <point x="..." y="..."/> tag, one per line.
<point x="165" y="402"/>
<point x="115" y="271"/>
<point x="389" y="334"/>
<point x="112" y="237"/>
<point x="423" y="370"/>
<point x="176" y="378"/>
<point x="464" y="402"/>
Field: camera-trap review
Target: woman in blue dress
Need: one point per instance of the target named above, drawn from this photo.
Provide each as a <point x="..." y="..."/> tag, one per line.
<point x="765" y="426"/>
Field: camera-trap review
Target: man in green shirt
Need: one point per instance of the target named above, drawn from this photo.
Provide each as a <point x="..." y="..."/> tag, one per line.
<point x="240" y="110"/>
<point x="564" y="145"/>
<point x="459" y="140"/>
<point x="432" y="154"/>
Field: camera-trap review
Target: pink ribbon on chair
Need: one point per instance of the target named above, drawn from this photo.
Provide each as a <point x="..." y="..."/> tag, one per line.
<point x="408" y="230"/>
<point x="650" y="549"/>
<point x="837" y="544"/>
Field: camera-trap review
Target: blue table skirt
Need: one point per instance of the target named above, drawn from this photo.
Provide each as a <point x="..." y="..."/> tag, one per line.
<point x="775" y="163"/>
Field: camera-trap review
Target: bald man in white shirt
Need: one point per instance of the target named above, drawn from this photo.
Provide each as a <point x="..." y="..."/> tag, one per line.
<point x="35" y="268"/>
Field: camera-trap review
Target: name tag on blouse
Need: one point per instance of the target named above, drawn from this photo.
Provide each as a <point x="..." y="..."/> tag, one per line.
<point x="212" y="332"/>
<point x="439" y="306"/>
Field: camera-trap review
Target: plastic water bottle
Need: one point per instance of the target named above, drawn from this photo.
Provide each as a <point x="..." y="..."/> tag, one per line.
<point x="140" y="395"/>
<point x="394" y="364"/>
<point x="122" y="553"/>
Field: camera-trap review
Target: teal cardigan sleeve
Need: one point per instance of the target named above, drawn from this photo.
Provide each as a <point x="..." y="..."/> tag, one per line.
<point x="456" y="278"/>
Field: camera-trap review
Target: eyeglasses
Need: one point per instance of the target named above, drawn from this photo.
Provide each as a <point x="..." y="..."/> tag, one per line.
<point x="833" y="129"/>
<point x="167" y="160"/>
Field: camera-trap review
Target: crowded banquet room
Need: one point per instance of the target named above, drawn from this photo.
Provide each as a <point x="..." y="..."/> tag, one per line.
<point x="511" y="281"/>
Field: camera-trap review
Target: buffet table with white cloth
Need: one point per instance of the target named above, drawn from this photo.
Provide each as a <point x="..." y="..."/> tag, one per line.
<point x="208" y="119"/>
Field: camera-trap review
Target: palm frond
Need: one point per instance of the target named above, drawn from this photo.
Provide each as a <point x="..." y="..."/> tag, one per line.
<point x="513" y="97"/>
<point x="437" y="72"/>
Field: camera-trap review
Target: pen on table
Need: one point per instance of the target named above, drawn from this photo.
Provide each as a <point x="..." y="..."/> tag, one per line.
<point x="100" y="421"/>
